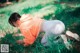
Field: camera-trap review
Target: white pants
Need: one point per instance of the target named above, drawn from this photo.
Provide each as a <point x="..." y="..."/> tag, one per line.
<point x="52" y="30"/>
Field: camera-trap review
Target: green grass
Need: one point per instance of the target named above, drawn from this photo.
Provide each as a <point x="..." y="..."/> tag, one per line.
<point x="37" y="47"/>
<point x="29" y="6"/>
<point x="42" y="7"/>
<point x="50" y="10"/>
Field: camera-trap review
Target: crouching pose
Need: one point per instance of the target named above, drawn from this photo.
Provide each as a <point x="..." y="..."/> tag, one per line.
<point x="31" y="26"/>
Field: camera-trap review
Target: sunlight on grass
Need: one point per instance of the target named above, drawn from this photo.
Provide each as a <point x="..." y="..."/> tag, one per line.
<point x="21" y="8"/>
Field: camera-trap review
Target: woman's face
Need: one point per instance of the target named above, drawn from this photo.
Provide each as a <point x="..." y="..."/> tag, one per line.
<point x="15" y="24"/>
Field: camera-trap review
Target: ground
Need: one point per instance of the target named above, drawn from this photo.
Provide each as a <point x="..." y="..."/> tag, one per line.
<point x="67" y="12"/>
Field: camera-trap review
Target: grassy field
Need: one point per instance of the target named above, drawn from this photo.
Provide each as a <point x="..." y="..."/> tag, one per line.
<point x="47" y="8"/>
<point x="29" y="6"/>
<point x="68" y="13"/>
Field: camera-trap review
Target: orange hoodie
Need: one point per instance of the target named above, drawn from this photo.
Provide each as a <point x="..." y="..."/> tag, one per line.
<point x="30" y="28"/>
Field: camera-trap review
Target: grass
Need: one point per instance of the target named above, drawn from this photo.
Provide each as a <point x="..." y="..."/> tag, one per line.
<point x="42" y="7"/>
<point x="49" y="10"/>
<point x="25" y="7"/>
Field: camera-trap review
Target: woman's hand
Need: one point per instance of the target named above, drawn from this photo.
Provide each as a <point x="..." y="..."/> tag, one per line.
<point x="20" y="41"/>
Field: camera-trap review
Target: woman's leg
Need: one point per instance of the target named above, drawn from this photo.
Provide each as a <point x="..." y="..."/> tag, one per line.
<point x="58" y="27"/>
<point x="47" y="39"/>
<point x="67" y="44"/>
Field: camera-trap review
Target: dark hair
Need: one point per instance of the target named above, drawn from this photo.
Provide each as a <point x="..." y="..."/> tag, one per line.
<point x="13" y="18"/>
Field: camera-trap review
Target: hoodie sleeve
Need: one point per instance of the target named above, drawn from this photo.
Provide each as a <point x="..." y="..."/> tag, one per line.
<point x="29" y="38"/>
<point x="30" y="29"/>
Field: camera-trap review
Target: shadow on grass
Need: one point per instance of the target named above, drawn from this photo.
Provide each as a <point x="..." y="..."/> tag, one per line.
<point x="37" y="47"/>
